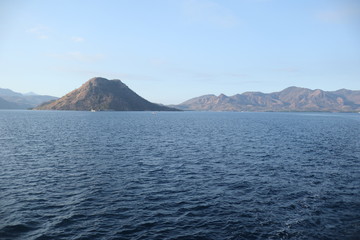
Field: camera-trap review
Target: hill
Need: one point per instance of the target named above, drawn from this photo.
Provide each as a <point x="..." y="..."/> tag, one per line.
<point x="9" y="105"/>
<point x="21" y="101"/>
<point x="289" y="99"/>
<point x="101" y="94"/>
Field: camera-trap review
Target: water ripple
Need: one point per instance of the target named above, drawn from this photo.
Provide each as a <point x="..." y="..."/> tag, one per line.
<point x="110" y="175"/>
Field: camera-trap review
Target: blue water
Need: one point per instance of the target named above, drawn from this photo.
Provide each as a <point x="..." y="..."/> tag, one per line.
<point x="179" y="175"/>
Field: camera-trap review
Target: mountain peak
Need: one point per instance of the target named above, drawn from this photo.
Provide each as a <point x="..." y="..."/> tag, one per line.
<point x="94" y="79"/>
<point x="101" y="80"/>
<point x="8" y="92"/>
<point x="294" y="88"/>
<point x="102" y="94"/>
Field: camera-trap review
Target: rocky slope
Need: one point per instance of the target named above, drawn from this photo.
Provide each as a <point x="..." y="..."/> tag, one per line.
<point x="101" y="94"/>
<point x="289" y="99"/>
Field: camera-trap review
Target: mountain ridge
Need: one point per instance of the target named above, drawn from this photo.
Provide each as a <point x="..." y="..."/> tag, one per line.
<point x="15" y="100"/>
<point x="289" y="99"/>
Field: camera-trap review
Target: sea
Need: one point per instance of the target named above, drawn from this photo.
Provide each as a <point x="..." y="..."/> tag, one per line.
<point x="179" y="175"/>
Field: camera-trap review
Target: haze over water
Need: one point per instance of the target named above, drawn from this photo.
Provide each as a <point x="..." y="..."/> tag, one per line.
<point x="179" y="175"/>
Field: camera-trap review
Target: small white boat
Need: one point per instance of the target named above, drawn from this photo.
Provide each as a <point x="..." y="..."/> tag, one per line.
<point x="92" y="110"/>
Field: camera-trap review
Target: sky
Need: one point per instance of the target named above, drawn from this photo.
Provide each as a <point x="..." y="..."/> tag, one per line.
<point x="169" y="51"/>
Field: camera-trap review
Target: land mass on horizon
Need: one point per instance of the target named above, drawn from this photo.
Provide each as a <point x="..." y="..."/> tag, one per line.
<point x="101" y="94"/>
<point x="291" y="99"/>
<point x="14" y="100"/>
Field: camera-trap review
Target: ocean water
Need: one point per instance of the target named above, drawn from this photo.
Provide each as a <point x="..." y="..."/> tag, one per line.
<point x="179" y="175"/>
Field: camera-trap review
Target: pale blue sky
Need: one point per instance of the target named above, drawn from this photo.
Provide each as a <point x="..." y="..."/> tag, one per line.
<point x="170" y="51"/>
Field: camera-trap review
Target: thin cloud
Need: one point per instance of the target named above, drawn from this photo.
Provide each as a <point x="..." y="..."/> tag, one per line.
<point x="43" y="36"/>
<point x="84" y="57"/>
<point x="78" y="39"/>
<point x="157" y="62"/>
<point x="287" y="69"/>
<point x="340" y="15"/>
<point x="78" y="56"/>
<point x="211" y="77"/>
<point x="219" y="76"/>
<point x="40" y="32"/>
<point x="236" y="75"/>
<point x="205" y="11"/>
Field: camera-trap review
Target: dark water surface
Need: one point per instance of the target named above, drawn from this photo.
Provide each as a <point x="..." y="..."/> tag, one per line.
<point x="179" y="175"/>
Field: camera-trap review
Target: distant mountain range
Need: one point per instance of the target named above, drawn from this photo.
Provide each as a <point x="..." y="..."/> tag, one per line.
<point x="289" y="99"/>
<point x="14" y="100"/>
<point x="101" y="94"/>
